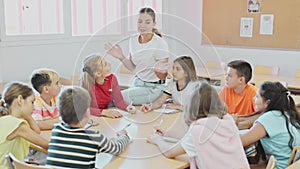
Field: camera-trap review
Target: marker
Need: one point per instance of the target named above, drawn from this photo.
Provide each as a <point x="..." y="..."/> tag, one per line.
<point x="129" y="124"/>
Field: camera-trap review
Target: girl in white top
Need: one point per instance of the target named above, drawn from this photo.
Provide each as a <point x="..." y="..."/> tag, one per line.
<point x="180" y="87"/>
<point x="148" y="58"/>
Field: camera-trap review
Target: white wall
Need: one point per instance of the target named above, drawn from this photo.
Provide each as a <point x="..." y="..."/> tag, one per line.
<point x="183" y="23"/>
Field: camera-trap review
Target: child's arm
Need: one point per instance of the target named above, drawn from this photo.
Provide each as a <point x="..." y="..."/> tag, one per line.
<point x="117" y="97"/>
<point x="27" y="133"/>
<point x="114" y="146"/>
<point x="253" y="135"/>
<point x="47" y="124"/>
<point x="168" y="150"/>
<point x="32" y="123"/>
<point x="158" y="103"/>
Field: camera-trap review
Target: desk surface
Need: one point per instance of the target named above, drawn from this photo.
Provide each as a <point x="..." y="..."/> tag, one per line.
<point x="139" y="154"/>
<point x="291" y="83"/>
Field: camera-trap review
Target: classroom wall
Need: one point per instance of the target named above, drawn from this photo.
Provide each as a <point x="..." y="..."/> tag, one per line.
<point x="182" y="25"/>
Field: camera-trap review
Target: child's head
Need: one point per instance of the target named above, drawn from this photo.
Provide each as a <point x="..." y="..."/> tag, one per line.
<point x="204" y="102"/>
<point x="73" y="105"/>
<point x="17" y="94"/>
<point x="183" y="67"/>
<point x="46" y="81"/>
<point x="238" y="72"/>
<point x="273" y="96"/>
<point x="94" y="66"/>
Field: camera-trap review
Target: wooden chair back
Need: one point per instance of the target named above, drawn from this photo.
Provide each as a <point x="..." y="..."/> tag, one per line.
<point x="293" y="155"/>
<point x="14" y="163"/>
<point x="266" y="70"/>
<point x="298" y="73"/>
<point x="271" y="162"/>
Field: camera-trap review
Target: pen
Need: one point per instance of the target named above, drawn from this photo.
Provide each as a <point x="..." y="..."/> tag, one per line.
<point x="126" y="126"/>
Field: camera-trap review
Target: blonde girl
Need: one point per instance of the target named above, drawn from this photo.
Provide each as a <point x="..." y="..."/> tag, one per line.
<point x="103" y="87"/>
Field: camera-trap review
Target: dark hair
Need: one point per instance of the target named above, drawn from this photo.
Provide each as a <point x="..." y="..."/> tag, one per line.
<point x="243" y="68"/>
<point x="188" y="66"/>
<point x="73" y="102"/>
<point x="203" y="102"/>
<point x="280" y="99"/>
<point x="151" y="12"/>
<point x="11" y="92"/>
<point x="42" y="77"/>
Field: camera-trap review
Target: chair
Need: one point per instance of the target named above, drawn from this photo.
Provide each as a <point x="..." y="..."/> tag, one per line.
<point x="293" y="155"/>
<point x="214" y="65"/>
<point x="266" y="70"/>
<point x="271" y="162"/>
<point x="298" y="74"/>
<point x="14" y="163"/>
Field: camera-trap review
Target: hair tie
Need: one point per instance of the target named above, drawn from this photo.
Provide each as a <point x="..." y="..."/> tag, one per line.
<point x="288" y="93"/>
<point x="88" y="70"/>
<point x="4" y="103"/>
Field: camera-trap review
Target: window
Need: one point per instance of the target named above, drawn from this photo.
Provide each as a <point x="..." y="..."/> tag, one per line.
<point x="27" y="17"/>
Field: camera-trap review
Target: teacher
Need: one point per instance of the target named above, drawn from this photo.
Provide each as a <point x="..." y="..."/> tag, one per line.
<point x="148" y="57"/>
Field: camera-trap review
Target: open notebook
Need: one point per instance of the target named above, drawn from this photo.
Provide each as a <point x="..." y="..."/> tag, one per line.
<point x="166" y="111"/>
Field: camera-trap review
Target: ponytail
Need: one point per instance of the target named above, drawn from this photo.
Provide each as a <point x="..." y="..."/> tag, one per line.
<point x="3" y="109"/>
<point x="154" y="30"/>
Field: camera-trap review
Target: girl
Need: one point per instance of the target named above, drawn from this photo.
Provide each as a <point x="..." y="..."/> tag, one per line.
<point x="148" y="56"/>
<point x="103" y="88"/>
<point x="278" y="127"/>
<point x="184" y="73"/>
<point x="213" y="139"/>
<point x="18" y="128"/>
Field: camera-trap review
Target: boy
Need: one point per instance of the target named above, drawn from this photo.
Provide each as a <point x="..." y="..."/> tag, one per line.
<point x="238" y="94"/>
<point x="73" y="146"/>
<point x="46" y="83"/>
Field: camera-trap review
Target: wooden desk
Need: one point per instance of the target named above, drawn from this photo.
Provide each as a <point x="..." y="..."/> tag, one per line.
<point x="292" y="83"/>
<point x="139" y="154"/>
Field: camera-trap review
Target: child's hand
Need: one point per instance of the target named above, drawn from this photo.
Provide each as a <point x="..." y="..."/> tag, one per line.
<point x="146" y="108"/>
<point x="158" y="131"/>
<point x="112" y="113"/>
<point x="174" y="106"/>
<point x="131" y="109"/>
<point x="122" y="132"/>
<point x="154" y="139"/>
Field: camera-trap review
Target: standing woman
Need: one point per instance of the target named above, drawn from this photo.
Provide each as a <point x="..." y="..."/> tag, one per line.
<point x="148" y="57"/>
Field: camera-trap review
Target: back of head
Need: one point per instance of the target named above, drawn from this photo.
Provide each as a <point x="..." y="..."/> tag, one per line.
<point x="73" y="103"/>
<point x="11" y="92"/>
<point x="91" y="64"/>
<point x="243" y="68"/>
<point x="204" y="102"/>
<point x="151" y="12"/>
<point x="43" y="77"/>
<point x="188" y="66"/>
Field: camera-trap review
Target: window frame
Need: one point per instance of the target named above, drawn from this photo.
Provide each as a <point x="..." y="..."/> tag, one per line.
<point x="66" y="37"/>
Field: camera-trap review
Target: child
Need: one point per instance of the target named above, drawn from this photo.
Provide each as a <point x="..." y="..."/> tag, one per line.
<point x="46" y="83"/>
<point x="212" y="140"/>
<point x="278" y="128"/>
<point x="103" y="87"/>
<point x="180" y="87"/>
<point x="238" y="94"/>
<point x="18" y="128"/>
<point x="71" y="145"/>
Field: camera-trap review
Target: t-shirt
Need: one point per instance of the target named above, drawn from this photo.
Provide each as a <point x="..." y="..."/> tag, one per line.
<point x="180" y="96"/>
<point x="145" y="55"/>
<point x="277" y="139"/>
<point x="17" y="146"/>
<point x="43" y="111"/>
<point x="72" y="147"/>
<point x="243" y="103"/>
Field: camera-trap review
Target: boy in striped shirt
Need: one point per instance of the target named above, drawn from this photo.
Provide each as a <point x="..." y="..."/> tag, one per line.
<point x="73" y="146"/>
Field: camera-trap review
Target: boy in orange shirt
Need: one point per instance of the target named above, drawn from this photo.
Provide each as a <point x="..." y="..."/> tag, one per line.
<point x="238" y="94"/>
<point x="46" y="83"/>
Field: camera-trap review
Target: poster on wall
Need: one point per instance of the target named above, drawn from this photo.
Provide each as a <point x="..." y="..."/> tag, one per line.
<point x="246" y="28"/>
<point x="266" y="24"/>
<point x="254" y="6"/>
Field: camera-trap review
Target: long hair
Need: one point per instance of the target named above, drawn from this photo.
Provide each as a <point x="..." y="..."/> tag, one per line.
<point x="204" y="102"/>
<point x="188" y="66"/>
<point x="11" y="92"/>
<point x="280" y="100"/>
<point x="91" y="64"/>
<point x="151" y="12"/>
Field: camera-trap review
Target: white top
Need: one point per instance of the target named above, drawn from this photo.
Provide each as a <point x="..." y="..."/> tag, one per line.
<point x="180" y="96"/>
<point x="145" y="55"/>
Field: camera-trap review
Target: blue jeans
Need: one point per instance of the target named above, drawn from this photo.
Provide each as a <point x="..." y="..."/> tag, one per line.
<point x="141" y="92"/>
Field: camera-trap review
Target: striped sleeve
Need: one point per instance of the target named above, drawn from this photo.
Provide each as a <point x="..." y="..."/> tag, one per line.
<point x="112" y="146"/>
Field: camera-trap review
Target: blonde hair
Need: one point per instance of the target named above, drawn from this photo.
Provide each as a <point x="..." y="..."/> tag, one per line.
<point x="91" y="65"/>
<point x="43" y="77"/>
<point x="12" y="91"/>
<point x="204" y="102"/>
